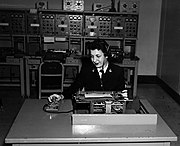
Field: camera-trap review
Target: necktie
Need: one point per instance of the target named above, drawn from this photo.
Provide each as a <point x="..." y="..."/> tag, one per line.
<point x="102" y="73"/>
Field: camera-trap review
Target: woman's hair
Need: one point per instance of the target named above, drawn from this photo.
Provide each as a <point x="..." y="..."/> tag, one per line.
<point x="99" y="44"/>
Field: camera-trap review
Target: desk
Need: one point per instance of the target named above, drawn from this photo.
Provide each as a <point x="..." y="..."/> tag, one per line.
<point x="34" y="127"/>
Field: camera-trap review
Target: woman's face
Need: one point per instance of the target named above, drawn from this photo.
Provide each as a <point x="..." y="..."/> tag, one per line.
<point x="98" y="58"/>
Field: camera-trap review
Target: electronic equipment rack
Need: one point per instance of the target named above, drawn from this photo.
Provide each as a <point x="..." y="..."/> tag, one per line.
<point x="30" y="33"/>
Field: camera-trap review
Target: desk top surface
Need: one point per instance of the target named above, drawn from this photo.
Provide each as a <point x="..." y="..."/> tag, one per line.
<point x="33" y="125"/>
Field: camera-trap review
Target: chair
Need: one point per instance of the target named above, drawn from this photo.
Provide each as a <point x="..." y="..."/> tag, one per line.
<point x="51" y="76"/>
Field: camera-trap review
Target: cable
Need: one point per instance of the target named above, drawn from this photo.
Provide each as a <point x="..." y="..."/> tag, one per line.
<point x="103" y="8"/>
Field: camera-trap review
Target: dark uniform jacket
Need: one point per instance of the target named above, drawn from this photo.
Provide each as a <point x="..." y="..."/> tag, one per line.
<point x="89" y="79"/>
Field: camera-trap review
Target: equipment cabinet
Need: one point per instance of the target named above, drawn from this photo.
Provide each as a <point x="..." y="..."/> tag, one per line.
<point x="68" y="32"/>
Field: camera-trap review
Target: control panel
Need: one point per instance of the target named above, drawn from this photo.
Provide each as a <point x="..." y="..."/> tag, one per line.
<point x="5" y="27"/>
<point x="62" y="25"/>
<point x="18" y="23"/>
<point x="73" y="5"/>
<point x="33" y="24"/>
<point x="118" y="26"/>
<point x="75" y="25"/>
<point x="104" y="26"/>
<point x="91" y="26"/>
<point x="35" y="31"/>
<point x="131" y="24"/>
<point x="128" y="6"/>
<point x="47" y="24"/>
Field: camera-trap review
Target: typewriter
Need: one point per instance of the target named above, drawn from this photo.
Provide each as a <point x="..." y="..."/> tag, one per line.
<point x="101" y="102"/>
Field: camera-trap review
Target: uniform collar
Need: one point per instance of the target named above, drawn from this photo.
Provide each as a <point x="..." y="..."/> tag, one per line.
<point x="107" y="68"/>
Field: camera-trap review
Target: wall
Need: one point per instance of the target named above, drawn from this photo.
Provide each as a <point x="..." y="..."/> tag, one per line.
<point x="169" y="54"/>
<point x="148" y="35"/>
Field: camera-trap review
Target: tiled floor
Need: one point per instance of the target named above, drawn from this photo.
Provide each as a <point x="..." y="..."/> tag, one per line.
<point x="161" y="101"/>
